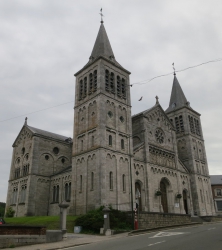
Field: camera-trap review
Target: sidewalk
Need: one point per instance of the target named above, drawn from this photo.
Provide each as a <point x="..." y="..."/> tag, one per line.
<point x="72" y="240"/>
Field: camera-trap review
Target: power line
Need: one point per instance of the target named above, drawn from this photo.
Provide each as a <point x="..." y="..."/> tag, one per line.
<point x="136" y="83"/>
<point x="149" y="80"/>
<point x="36" y="111"/>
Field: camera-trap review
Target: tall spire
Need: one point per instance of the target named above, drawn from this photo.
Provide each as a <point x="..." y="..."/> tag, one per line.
<point x="102" y="45"/>
<point x="177" y="99"/>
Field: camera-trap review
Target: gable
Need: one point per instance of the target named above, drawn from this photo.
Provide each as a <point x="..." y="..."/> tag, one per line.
<point x="24" y="134"/>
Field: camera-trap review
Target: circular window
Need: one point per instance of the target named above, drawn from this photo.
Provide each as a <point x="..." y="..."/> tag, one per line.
<point x="159" y="136"/>
<point x="47" y="157"/>
<point x="63" y="160"/>
<point x="110" y="114"/>
<point x="55" y="150"/>
<point x="121" y="119"/>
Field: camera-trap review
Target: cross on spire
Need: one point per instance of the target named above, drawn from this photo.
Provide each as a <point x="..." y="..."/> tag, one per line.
<point x="174" y="71"/>
<point x="101" y="14"/>
<point x="157" y="100"/>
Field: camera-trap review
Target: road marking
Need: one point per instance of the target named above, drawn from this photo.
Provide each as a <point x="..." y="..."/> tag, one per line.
<point x="165" y="234"/>
<point x="156" y="243"/>
<point x="212" y="228"/>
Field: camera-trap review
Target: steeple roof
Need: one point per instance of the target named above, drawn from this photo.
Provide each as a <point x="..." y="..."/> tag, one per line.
<point x="102" y="49"/>
<point x="177" y="99"/>
<point x="102" y="46"/>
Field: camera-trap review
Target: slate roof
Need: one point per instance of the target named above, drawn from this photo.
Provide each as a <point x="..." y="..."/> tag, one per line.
<point x="216" y="179"/>
<point x="102" y="48"/>
<point x="37" y="131"/>
<point x="177" y="98"/>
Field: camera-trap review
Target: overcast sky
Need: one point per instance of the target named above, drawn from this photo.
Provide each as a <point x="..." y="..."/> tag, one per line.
<point x="43" y="43"/>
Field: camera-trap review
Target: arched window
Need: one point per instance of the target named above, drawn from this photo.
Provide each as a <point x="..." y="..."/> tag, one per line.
<point x="85" y="86"/>
<point x="67" y="191"/>
<point x="55" y="197"/>
<point x="118" y="86"/>
<point x="14" y="195"/>
<point x="112" y="83"/>
<point x="191" y="124"/>
<point x="181" y="123"/>
<point x="80" y="89"/>
<point x="107" y="80"/>
<point x="124" y="183"/>
<point x="123" y="88"/>
<point x="92" y="180"/>
<point x="92" y="141"/>
<point x="177" y="124"/>
<point x="57" y="193"/>
<point x="81" y="145"/>
<point x="111" y="180"/>
<point x="80" y="183"/>
<point x="23" y="194"/>
<point x="201" y="195"/>
<point x="95" y="80"/>
<point x="90" y="83"/>
<point x="110" y="140"/>
<point x="122" y="144"/>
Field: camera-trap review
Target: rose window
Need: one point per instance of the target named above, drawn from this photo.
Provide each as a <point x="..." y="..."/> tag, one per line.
<point x="159" y="136"/>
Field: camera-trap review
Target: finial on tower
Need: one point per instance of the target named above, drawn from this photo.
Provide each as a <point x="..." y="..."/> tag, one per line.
<point x="101" y="14"/>
<point x="157" y="100"/>
<point x="26" y="121"/>
<point x="174" y="71"/>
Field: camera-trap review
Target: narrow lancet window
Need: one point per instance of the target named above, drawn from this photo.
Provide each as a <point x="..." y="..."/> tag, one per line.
<point x="111" y="180"/>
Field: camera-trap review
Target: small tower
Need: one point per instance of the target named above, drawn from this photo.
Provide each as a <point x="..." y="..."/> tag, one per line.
<point x="102" y="125"/>
<point x="191" y="149"/>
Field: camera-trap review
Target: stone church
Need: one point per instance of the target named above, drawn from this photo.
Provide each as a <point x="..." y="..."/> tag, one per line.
<point x="155" y="160"/>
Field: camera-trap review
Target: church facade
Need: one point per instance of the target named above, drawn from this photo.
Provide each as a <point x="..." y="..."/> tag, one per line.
<point x="154" y="160"/>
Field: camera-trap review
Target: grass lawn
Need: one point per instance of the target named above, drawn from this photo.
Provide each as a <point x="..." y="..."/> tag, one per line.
<point x="50" y="222"/>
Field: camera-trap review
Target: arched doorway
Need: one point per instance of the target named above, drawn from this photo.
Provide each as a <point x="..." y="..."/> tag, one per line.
<point x="185" y="201"/>
<point x="163" y="189"/>
<point x="138" y="195"/>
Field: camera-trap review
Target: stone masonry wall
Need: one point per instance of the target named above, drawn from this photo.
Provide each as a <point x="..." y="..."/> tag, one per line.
<point x="154" y="220"/>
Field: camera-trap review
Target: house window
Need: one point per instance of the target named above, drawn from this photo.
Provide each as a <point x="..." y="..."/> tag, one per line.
<point x="23" y="194"/>
<point x="124" y="183"/>
<point x="218" y="192"/>
<point x="92" y="180"/>
<point x="111" y="180"/>
<point x="110" y="140"/>
<point x="55" y="194"/>
<point x="67" y="191"/>
<point x="25" y="170"/>
<point x="122" y="144"/>
<point x="219" y="205"/>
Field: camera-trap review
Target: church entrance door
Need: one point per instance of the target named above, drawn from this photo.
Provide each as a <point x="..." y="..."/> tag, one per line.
<point x="164" y="202"/>
<point x="185" y="201"/>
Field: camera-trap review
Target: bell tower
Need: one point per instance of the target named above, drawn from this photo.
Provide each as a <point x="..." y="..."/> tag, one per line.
<point x="191" y="149"/>
<point x="102" y="128"/>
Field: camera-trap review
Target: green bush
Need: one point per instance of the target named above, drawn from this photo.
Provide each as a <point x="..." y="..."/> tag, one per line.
<point x="93" y="220"/>
<point x="9" y="212"/>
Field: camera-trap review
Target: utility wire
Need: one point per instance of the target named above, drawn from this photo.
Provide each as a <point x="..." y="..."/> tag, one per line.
<point x="136" y="83"/>
<point x="35" y="111"/>
<point x="149" y="80"/>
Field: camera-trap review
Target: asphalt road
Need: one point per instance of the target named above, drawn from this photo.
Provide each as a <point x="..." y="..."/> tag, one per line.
<point x="204" y="237"/>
